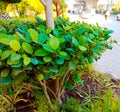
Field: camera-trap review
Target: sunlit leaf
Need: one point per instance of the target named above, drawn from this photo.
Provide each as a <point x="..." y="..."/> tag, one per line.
<point x="82" y="48"/>
<point x="5" y="54"/>
<point x="12" y="62"/>
<point x="40" y="52"/>
<point x="27" y="47"/>
<point x="33" y="34"/>
<point x="26" y="60"/>
<point x="4" y="41"/>
<point x="15" y="56"/>
<point x="15" y="45"/>
<point x="62" y="53"/>
<point x="54" y="42"/>
<point x="40" y="76"/>
<point x="47" y="59"/>
<point x="49" y="30"/>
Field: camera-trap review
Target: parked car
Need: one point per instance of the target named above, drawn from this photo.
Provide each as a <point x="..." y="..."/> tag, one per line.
<point x="118" y="17"/>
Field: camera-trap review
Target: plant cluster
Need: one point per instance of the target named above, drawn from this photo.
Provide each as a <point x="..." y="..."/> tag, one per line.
<point x="50" y="57"/>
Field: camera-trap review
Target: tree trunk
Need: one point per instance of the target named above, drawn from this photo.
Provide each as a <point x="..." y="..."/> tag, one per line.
<point x="49" y="14"/>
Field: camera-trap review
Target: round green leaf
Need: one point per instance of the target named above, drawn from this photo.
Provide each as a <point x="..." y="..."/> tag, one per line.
<point x="5" y="54"/>
<point x="47" y="59"/>
<point x="59" y="61"/>
<point x="42" y="38"/>
<point x="47" y="48"/>
<point x="40" y="76"/>
<point x="5" y="80"/>
<point x="40" y="52"/>
<point x="54" y="42"/>
<point x="34" y="61"/>
<point x="62" y="53"/>
<point x="53" y="69"/>
<point x="4" y="41"/>
<point x="15" y="45"/>
<point x="82" y="48"/>
<point x="33" y="34"/>
<point x="11" y="62"/>
<point x="19" y="64"/>
<point x="26" y="60"/>
<point x="15" y="56"/>
<point x="27" y="47"/>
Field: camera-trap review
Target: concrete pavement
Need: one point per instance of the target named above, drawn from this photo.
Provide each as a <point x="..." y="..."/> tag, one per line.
<point x="110" y="60"/>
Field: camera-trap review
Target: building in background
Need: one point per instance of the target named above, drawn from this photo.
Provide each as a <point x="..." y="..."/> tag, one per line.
<point x="84" y="5"/>
<point x="92" y="5"/>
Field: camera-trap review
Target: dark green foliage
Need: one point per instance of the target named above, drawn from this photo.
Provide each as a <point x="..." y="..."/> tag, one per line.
<point x="30" y="52"/>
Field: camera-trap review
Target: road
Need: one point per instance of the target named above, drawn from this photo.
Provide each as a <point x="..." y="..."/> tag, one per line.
<point x="110" y="60"/>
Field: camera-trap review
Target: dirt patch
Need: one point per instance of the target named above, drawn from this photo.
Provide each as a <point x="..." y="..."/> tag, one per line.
<point x="93" y="86"/>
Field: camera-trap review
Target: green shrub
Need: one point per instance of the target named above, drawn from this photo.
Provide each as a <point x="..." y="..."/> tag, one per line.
<point x="51" y="56"/>
<point x="12" y="25"/>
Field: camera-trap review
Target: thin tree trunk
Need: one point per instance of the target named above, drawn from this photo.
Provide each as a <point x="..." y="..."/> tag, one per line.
<point x="49" y="14"/>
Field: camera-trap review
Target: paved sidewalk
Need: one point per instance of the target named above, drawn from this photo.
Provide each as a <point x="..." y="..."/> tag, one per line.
<point x="110" y="60"/>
